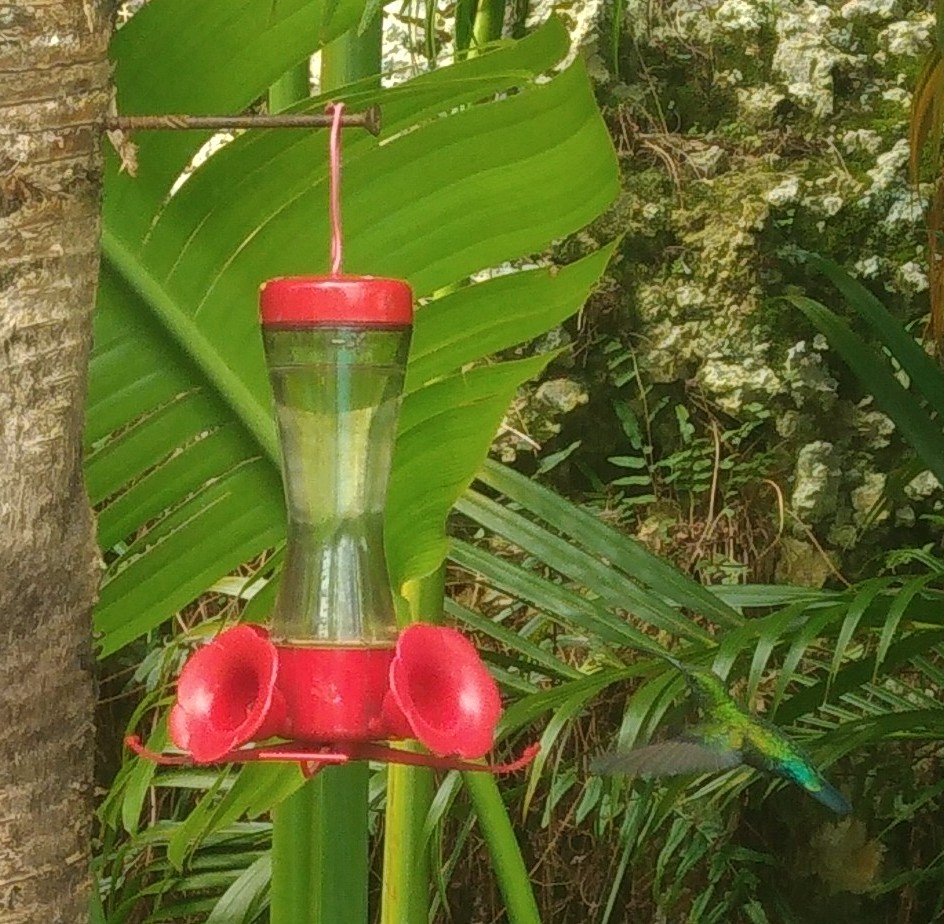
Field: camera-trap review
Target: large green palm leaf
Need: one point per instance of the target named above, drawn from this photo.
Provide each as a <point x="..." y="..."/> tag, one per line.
<point x="182" y="456"/>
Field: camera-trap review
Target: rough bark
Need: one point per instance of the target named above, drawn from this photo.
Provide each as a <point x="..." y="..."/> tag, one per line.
<point x="54" y="82"/>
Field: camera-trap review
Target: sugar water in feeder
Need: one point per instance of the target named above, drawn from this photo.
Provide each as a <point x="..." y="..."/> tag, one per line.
<point x="336" y="348"/>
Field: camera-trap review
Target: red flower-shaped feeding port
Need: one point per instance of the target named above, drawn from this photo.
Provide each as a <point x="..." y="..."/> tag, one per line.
<point x="444" y="691"/>
<point x="225" y="695"/>
<point x="331" y="705"/>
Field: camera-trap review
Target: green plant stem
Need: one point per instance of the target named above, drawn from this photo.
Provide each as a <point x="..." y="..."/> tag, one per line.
<point x="489" y="20"/>
<point x="341" y="845"/>
<point x="352" y="57"/>
<point x="290" y="88"/>
<point x="406" y="870"/>
<point x="512" y="875"/>
<point x="320" y="857"/>
<point x="406" y="873"/>
<point x="407" y="809"/>
<point x="292" y="830"/>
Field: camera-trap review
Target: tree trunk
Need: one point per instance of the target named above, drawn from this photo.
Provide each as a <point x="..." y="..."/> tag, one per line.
<point x="54" y="91"/>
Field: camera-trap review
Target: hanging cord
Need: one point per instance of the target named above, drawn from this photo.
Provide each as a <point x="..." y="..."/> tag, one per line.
<point x="337" y="250"/>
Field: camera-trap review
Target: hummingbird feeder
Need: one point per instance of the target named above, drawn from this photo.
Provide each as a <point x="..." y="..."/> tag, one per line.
<point x="333" y="679"/>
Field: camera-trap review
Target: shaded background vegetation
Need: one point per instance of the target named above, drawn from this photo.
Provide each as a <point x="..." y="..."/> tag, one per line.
<point x="733" y="155"/>
<point x="695" y="417"/>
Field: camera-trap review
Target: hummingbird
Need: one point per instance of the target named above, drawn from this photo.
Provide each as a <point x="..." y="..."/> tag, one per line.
<point x="728" y="737"/>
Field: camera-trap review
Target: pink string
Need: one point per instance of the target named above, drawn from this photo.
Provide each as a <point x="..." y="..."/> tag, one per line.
<point x="337" y="250"/>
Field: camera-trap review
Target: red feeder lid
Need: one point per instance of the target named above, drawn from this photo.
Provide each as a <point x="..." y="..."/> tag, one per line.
<point x="368" y="301"/>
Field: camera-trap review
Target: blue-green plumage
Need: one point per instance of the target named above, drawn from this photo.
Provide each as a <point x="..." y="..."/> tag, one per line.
<point x="727" y="737"/>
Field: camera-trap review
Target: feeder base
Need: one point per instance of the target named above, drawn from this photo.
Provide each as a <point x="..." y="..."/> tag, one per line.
<point x="312" y="758"/>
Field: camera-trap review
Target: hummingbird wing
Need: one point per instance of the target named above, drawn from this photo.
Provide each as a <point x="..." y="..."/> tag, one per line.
<point x="674" y="757"/>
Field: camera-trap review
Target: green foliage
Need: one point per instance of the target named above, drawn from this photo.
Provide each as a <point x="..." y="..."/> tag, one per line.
<point x="747" y="128"/>
<point x="852" y="674"/>
<point x="915" y="405"/>
<point x="183" y="466"/>
<point x="695" y="467"/>
<point x="658" y="460"/>
<point x="183" y="462"/>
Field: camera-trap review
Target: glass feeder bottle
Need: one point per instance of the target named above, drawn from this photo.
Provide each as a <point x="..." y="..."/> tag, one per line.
<point x="336" y="349"/>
